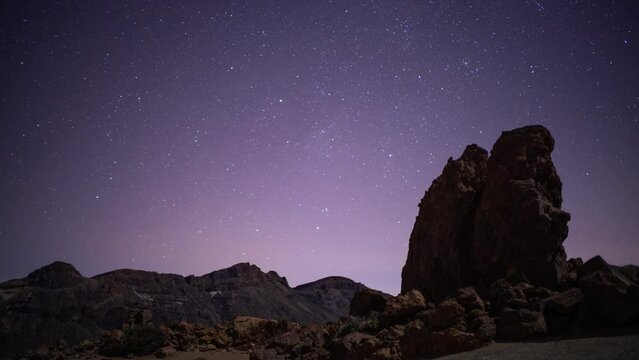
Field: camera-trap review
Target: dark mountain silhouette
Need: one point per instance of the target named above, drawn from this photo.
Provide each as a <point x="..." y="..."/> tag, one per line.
<point x="56" y="302"/>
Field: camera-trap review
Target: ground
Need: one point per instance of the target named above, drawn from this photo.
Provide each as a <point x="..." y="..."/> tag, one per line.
<point x="593" y="348"/>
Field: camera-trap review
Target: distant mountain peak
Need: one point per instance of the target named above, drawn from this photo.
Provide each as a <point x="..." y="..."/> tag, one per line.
<point x="58" y="274"/>
<point x="84" y="307"/>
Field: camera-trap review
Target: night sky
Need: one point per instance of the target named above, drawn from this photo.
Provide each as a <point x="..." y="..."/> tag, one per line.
<point x="185" y="137"/>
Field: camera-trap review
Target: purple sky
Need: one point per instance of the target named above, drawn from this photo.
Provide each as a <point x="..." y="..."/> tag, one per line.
<point x="300" y="136"/>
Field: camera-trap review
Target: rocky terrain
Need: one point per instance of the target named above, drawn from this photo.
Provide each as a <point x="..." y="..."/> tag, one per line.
<point x="485" y="263"/>
<point x="57" y="303"/>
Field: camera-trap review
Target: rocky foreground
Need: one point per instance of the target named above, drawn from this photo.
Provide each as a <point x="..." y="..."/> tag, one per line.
<point x="56" y="303"/>
<point x="402" y="327"/>
<point x="486" y="261"/>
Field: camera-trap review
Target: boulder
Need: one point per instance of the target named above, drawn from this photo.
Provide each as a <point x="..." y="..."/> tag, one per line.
<point x="561" y="311"/>
<point x="366" y="301"/>
<point x="610" y="294"/>
<point x="446" y="314"/>
<point x="355" y="346"/>
<point x="403" y="307"/>
<point x="511" y="297"/>
<point x="468" y="299"/>
<point x="564" y="303"/>
<point x="521" y="324"/>
<point x="519" y="225"/>
<point x="246" y="330"/>
<point x="483" y="327"/>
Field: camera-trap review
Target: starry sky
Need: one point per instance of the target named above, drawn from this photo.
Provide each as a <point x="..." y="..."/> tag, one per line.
<point x="188" y="136"/>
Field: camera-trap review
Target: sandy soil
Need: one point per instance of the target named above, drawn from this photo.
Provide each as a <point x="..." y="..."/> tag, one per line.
<point x="614" y="347"/>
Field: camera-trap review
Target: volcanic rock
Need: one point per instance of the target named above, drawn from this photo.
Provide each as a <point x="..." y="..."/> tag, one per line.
<point x="520" y="324"/>
<point x="565" y="302"/>
<point x="611" y="295"/>
<point x="486" y="218"/>
<point x="403" y="307"/>
<point x="564" y="312"/>
<point x="469" y="300"/>
<point x="366" y="301"/>
<point x="519" y="224"/>
<point x="446" y="314"/>
<point x="439" y="246"/>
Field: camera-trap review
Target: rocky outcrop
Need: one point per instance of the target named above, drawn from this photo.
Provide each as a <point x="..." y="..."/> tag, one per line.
<point x="487" y="217"/>
<point x="57" y="303"/>
<point x="366" y="301"/>
<point x="519" y="224"/>
<point x="439" y="246"/>
<point x="401" y="308"/>
<point x="612" y="295"/>
<point x="410" y="328"/>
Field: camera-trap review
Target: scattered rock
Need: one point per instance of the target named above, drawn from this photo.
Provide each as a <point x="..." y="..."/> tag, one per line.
<point x="469" y="300"/>
<point x="366" y="301"/>
<point x="446" y="314"/>
<point x="564" y="303"/>
<point x="611" y="295"/>
<point x="165" y="352"/>
<point x="439" y="247"/>
<point x="521" y="324"/>
<point x="403" y="307"/>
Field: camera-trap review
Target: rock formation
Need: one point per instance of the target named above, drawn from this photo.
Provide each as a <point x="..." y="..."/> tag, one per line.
<point x="439" y="246"/>
<point x="519" y="224"/>
<point x="487" y="217"/>
<point x="411" y="329"/>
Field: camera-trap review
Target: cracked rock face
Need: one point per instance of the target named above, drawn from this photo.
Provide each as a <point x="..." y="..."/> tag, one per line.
<point x="487" y="217"/>
<point x="439" y="247"/>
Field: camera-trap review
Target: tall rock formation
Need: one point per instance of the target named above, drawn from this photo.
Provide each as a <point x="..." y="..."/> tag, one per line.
<point x="439" y="247"/>
<point x="519" y="225"/>
<point x="485" y="218"/>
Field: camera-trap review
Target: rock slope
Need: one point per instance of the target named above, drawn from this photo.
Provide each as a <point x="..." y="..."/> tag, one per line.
<point x="57" y="303"/>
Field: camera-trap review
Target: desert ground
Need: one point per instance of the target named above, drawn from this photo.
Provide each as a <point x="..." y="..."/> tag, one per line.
<point x="592" y="348"/>
<point x="614" y="347"/>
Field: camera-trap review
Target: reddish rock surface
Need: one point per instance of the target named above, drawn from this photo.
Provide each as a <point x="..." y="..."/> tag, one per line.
<point x="439" y="246"/>
<point x="366" y="301"/>
<point x="486" y="217"/>
<point x="519" y="225"/>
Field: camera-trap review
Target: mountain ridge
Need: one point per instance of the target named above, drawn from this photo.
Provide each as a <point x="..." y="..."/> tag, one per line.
<point x="55" y="302"/>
